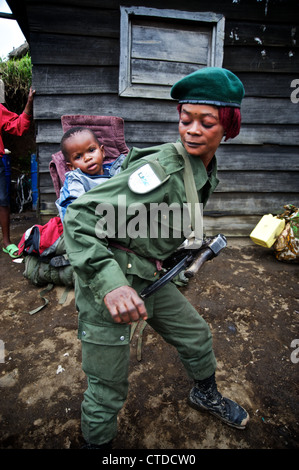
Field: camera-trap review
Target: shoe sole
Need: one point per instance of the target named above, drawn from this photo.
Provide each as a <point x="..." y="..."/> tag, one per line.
<point x="203" y="408"/>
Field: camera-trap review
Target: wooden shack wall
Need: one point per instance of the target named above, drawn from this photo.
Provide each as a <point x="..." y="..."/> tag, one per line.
<point x="75" y="54"/>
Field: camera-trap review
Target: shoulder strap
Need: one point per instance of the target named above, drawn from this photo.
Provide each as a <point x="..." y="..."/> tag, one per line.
<point x="194" y="206"/>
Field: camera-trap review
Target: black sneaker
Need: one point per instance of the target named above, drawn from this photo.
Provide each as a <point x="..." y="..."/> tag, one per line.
<point x="205" y="397"/>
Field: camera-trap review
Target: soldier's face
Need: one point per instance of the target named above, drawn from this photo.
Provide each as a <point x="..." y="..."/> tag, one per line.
<point x="200" y="130"/>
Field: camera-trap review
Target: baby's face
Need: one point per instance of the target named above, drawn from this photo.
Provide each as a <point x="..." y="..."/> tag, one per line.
<point x="85" y="152"/>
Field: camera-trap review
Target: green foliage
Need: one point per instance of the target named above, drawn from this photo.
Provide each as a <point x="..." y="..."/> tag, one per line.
<point x="16" y="75"/>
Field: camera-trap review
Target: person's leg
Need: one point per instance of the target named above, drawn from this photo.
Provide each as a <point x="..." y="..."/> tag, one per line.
<point x="4" y="207"/>
<point x="177" y="321"/>
<point x="204" y="396"/>
<point x="106" y="367"/>
<point x="181" y="325"/>
<point x="5" y="225"/>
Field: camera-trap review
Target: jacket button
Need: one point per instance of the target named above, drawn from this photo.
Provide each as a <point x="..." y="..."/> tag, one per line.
<point x="129" y="265"/>
<point x="122" y="338"/>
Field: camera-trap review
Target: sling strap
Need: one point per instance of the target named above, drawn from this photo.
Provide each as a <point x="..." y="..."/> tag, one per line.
<point x="196" y="236"/>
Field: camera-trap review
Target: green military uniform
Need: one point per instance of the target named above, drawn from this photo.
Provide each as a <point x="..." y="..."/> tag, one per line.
<point x="101" y="268"/>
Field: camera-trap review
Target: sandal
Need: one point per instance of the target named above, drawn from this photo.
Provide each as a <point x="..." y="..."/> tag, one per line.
<point x="12" y="250"/>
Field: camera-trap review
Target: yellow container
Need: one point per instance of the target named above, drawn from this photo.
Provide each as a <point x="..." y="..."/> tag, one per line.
<point x="267" y="230"/>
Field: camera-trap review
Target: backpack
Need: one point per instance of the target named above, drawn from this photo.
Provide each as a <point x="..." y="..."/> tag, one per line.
<point x="43" y="240"/>
<point x="40" y="271"/>
<point x="45" y="258"/>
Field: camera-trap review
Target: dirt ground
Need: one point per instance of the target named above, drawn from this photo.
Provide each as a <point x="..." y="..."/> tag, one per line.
<point x="251" y="302"/>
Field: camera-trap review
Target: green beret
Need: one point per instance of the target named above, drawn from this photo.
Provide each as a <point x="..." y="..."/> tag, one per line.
<point x="209" y="85"/>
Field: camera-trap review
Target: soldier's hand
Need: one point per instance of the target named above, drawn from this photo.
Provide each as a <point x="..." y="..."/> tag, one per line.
<point x="125" y="305"/>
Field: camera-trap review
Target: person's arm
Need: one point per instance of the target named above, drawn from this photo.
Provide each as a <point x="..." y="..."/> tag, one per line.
<point x="94" y="263"/>
<point x="73" y="188"/>
<point x="29" y="105"/>
<point x="125" y="305"/>
<point x="15" y="124"/>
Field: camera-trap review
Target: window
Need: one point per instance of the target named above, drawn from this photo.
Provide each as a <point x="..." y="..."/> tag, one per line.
<point x="158" y="47"/>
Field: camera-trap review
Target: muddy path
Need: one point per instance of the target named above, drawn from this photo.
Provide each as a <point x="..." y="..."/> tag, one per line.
<point x="251" y="302"/>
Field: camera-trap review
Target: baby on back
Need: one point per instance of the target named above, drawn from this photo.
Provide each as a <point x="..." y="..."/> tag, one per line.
<point x="84" y="156"/>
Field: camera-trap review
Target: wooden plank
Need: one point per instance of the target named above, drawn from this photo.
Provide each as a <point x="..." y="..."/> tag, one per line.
<point x="259" y="59"/>
<point x="252" y="10"/>
<point x="72" y="50"/>
<point x="230" y="203"/>
<point x="161" y="72"/>
<point x="250" y="134"/>
<point x="261" y="34"/>
<point x="249" y="203"/>
<point x="45" y="152"/>
<point x="263" y="12"/>
<point x="230" y="226"/>
<point x="53" y="107"/>
<point x="74" y="79"/>
<point x="230" y="158"/>
<point x="249" y="159"/>
<point x="47" y="201"/>
<point x="45" y="183"/>
<point x="254" y="110"/>
<point x="237" y="181"/>
<point x="165" y="43"/>
<point x="259" y="135"/>
<point x="59" y="79"/>
<point x="232" y="181"/>
<point x="258" y="181"/>
<point x="255" y="157"/>
<point x="79" y="79"/>
<point x="259" y="84"/>
<point x="180" y="15"/>
<point x="271" y="111"/>
<point x="221" y="204"/>
<point x="153" y="133"/>
<point x="83" y="21"/>
<point x="49" y="132"/>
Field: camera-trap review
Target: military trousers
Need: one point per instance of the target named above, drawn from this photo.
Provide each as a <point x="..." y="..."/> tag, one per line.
<point x="107" y="364"/>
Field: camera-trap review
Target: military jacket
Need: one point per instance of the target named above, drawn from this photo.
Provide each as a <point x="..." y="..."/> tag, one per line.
<point x="128" y="202"/>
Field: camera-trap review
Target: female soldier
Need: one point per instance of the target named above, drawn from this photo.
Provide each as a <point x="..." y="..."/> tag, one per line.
<point x="114" y="265"/>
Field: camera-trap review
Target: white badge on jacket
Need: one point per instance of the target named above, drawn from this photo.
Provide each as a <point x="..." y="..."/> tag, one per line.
<point x="144" y="180"/>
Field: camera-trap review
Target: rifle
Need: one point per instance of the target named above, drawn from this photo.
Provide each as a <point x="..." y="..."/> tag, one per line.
<point x="190" y="260"/>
